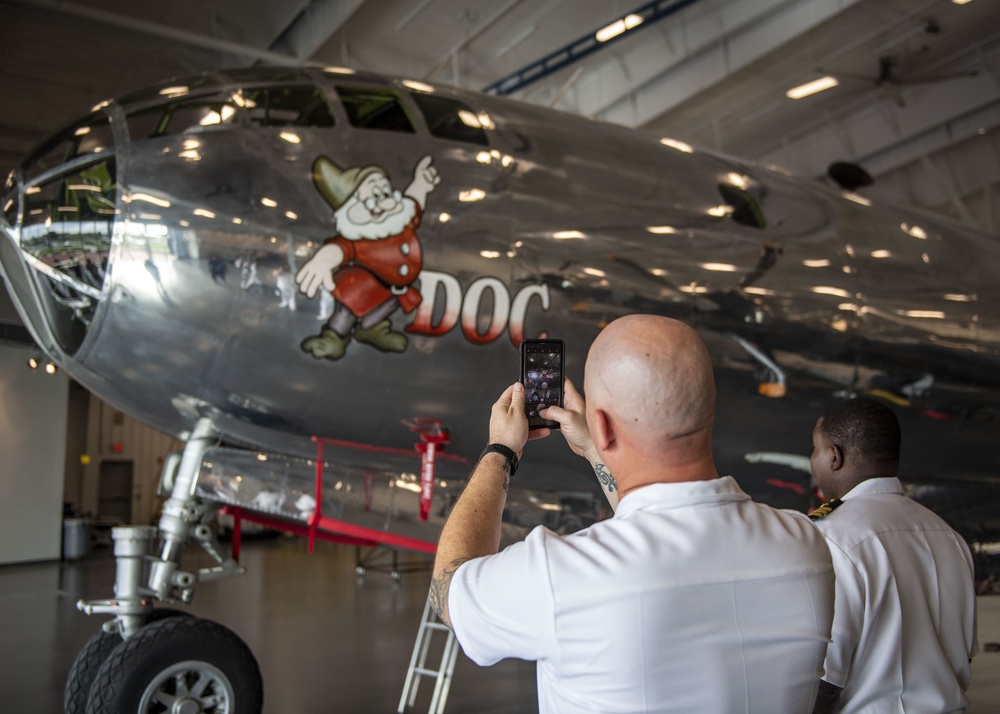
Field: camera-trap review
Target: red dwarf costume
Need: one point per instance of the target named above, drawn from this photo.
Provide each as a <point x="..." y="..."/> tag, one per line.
<point x="375" y="271"/>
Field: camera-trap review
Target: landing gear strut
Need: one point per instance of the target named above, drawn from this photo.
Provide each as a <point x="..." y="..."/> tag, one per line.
<point x="147" y="662"/>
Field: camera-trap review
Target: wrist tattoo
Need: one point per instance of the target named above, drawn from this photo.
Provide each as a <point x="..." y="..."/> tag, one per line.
<point x="605" y="477"/>
<point x="438" y="594"/>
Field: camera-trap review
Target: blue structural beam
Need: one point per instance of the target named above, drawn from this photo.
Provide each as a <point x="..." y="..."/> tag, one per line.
<point x="587" y="45"/>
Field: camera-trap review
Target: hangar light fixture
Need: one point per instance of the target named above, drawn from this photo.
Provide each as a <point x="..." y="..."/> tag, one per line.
<point x="922" y="314"/>
<point x="719" y="267"/>
<point x="961" y="2"/>
<point x="827" y="290"/>
<point x="473" y="194"/>
<point x="617" y="27"/>
<point x="810" y="88"/>
<point x="36" y="361"/>
<point x="738" y="180"/>
<point x="161" y="202"/>
<point x="915" y="231"/>
<point x="469" y="119"/>
<point x="679" y="145"/>
<point x="418" y="86"/>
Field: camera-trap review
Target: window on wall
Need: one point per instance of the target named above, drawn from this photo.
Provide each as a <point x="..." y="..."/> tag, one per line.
<point x="450" y="119"/>
<point x="375" y="109"/>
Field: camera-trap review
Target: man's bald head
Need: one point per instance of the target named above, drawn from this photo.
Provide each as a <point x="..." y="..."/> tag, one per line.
<point x="653" y="376"/>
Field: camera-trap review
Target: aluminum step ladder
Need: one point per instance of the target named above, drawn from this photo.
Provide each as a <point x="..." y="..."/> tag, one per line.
<point x="429" y="623"/>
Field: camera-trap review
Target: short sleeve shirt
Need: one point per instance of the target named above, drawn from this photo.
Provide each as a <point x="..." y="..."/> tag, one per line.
<point x="691" y="598"/>
<point x="904" y="626"/>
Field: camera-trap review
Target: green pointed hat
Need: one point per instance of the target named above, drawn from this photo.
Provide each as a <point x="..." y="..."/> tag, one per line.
<point x="337" y="184"/>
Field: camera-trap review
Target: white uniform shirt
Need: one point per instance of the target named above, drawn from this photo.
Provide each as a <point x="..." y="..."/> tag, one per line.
<point x="904" y="626"/>
<point x="692" y="598"/>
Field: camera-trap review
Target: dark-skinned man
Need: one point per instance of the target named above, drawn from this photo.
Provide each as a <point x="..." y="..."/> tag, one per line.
<point x="904" y="622"/>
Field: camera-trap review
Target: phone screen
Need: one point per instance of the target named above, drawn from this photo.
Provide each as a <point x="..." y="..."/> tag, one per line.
<point x="542" y="376"/>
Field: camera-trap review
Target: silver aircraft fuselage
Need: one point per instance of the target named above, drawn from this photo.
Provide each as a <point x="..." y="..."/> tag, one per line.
<point x="176" y="252"/>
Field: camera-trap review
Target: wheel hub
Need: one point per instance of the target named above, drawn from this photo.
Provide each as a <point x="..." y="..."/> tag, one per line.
<point x="186" y="706"/>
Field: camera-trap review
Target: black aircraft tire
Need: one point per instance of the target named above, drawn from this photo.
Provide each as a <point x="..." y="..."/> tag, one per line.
<point x="81" y="674"/>
<point x="175" y="660"/>
<point x="89" y="660"/>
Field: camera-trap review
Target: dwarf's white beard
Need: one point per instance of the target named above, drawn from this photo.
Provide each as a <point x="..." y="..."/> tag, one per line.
<point x="393" y="225"/>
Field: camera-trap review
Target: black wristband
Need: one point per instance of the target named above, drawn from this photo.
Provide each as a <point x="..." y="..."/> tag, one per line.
<point x="504" y="451"/>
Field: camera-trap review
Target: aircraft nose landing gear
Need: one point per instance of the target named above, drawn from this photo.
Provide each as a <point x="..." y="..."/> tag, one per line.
<point x="154" y="660"/>
<point x="180" y="665"/>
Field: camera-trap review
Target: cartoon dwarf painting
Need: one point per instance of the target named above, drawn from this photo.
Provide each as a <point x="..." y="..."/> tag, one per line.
<point x="370" y="266"/>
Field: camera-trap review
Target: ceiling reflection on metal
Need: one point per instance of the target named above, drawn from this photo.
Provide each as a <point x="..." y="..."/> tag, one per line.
<point x="175" y="258"/>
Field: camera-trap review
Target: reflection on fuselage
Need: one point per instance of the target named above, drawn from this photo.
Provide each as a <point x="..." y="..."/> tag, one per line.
<point x="156" y="248"/>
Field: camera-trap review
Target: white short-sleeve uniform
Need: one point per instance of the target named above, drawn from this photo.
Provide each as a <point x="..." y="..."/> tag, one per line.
<point x="692" y="598"/>
<point x="904" y="629"/>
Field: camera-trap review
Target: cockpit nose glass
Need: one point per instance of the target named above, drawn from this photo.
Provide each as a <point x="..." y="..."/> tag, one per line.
<point x="69" y="208"/>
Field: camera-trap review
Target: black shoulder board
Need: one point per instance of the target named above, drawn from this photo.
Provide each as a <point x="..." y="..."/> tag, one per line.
<point x="825" y="509"/>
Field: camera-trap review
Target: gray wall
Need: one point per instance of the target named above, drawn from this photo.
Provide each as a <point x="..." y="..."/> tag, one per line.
<point x="33" y="408"/>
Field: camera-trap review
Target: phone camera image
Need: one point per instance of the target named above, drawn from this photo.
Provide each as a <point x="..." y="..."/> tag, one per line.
<point x="542" y="374"/>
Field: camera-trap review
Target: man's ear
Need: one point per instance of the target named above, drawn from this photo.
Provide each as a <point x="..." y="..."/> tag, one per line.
<point x="836" y="457"/>
<point x="603" y="431"/>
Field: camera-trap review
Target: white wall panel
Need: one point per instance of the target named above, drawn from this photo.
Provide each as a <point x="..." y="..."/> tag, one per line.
<point x="32" y="450"/>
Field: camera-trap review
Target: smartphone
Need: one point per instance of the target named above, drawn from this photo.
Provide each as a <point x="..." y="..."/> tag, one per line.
<point x="542" y="376"/>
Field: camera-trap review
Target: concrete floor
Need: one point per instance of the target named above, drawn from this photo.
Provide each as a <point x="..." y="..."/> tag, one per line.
<point x="325" y="639"/>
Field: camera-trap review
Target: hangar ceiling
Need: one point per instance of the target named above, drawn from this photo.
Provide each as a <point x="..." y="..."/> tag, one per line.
<point x="917" y="104"/>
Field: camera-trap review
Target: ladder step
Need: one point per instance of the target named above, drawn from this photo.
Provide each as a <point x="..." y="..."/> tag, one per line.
<point x="416" y="670"/>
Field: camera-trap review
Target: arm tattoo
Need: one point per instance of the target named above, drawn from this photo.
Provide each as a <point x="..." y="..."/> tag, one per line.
<point x="605" y="477"/>
<point x="438" y="594"/>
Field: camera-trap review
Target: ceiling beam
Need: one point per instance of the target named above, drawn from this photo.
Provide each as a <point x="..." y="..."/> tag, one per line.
<point x="452" y="53"/>
<point x="318" y="21"/>
<point x="688" y="54"/>
<point x="884" y="136"/>
<point x="214" y="44"/>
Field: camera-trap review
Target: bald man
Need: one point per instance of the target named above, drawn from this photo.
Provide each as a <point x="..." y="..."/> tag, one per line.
<point x="691" y="598"/>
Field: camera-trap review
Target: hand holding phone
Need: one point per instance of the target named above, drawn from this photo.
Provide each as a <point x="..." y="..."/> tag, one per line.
<point x="542" y="376"/>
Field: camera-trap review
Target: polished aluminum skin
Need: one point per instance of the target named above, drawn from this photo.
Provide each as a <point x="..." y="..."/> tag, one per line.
<point x="383" y="495"/>
<point x="177" y="252"/>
